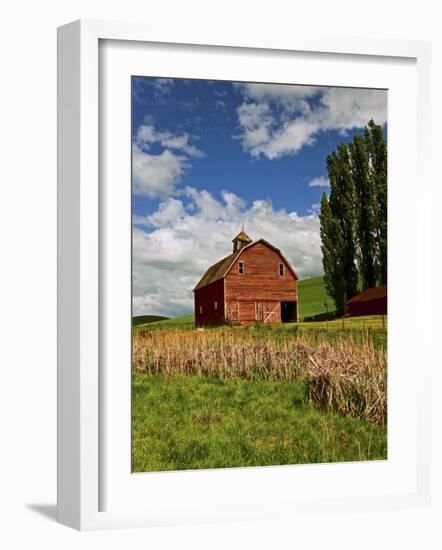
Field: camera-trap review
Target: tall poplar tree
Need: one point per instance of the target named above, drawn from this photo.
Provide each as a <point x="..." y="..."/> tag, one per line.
<point x="377" y="150"/>
<point x="365" y="212"/>
<point x="342" y="205"/>
<point x="332" y="253"/>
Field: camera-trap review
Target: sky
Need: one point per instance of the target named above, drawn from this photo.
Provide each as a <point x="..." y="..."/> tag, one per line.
<point x="209" y="156"/>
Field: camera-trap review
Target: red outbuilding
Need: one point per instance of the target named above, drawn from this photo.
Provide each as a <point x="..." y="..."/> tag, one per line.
<point x="372" y="301"/>
<point x="253" y="284"/>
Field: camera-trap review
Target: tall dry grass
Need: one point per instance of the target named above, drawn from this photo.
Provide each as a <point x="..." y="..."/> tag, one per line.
<point x="346" y="376"/>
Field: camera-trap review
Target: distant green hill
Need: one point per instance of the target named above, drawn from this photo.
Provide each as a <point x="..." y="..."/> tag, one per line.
<point x="185" y="321"/>
<point x="144" y="319"/>
<point x="312" y="295"/>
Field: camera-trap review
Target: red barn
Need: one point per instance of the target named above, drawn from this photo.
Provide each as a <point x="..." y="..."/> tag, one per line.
<point x="372" y="301"/>
<point x="253" y="284"/>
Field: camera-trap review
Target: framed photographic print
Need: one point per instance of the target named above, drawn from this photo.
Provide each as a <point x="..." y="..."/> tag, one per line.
<point x="234" y="226"/>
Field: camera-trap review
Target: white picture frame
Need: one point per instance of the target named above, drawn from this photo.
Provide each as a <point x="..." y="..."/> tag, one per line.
<point x="80" y="264"/>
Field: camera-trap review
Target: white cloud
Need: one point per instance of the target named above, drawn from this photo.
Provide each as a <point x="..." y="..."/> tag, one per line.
<point x="347" y="108"/>
<point x="157" y="174"/>
<point x="147" y="135"/>
<point x="168" y="213"/>
<point x="190" y="234"/>
<point x="256" y="121"/>
<point x="280" y="120"/>
<point x="287" y="93"/>
<point x="320" y="181"/>
<point x="287" y="139"/>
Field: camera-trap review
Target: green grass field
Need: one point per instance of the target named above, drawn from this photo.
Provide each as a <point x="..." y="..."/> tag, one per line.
<point x="185" y="321"/>
<point x="193" y="422"/>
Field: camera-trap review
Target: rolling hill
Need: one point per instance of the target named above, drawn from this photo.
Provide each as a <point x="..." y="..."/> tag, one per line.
<point x="312" y="296"/>
<point x="146" y="319"/>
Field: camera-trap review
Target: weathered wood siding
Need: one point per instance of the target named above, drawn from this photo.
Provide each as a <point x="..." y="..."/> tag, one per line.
<point x="205" y="298"/>
<point x="261" y="279"/>
<point x="256" y="294"/>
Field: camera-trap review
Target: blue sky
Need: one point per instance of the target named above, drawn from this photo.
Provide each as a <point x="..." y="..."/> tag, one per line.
<point x="208" y="155"/>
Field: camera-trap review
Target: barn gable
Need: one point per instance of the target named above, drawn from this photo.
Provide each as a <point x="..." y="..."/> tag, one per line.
<point x="221" y="269"/>
<point x="266" y="243"/>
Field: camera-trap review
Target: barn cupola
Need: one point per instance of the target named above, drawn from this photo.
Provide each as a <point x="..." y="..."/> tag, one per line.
<point x="240" y="241"/>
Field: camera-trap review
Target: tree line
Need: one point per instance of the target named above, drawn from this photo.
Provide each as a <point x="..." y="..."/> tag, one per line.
<point x="353" y="219"/>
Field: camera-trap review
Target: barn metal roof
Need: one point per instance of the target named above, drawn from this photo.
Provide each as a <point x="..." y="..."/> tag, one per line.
<point x="369" y="294"/>
<point x="220" y="269"/>
<point x="217" y="271"/>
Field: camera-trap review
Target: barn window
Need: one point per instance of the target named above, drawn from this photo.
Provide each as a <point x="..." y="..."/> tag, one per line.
<point x="201" y="309"/>
<point x="215" y="305"/>
<point x="281" y="270"/>
<point x="240" y="267"/>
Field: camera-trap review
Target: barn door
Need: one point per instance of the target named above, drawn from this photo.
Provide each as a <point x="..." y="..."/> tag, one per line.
<point x="232" y="311"/>
<point x="267" y="312"/>
<point x="271" y="312"/>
